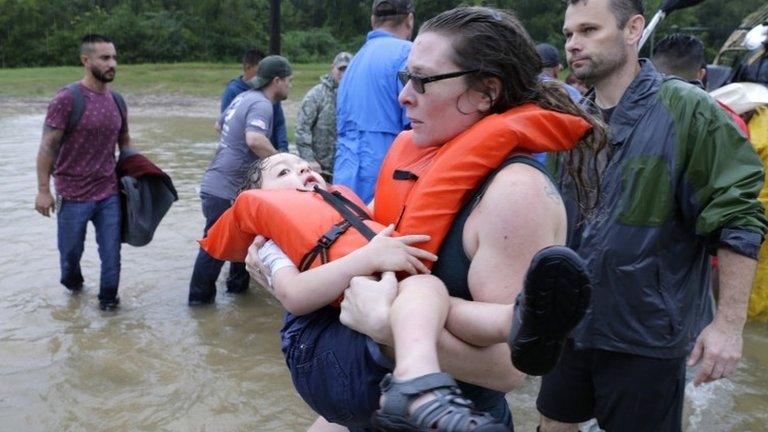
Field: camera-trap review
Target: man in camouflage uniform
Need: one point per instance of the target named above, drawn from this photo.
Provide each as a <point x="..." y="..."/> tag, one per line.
<point x="316" y="122"/>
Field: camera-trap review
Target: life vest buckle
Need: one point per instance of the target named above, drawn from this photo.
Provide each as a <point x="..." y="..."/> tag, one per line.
<point x="327" y="239"/>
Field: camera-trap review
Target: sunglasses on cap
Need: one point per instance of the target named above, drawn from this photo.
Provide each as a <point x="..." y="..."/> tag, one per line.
<point x="418" y="82"/>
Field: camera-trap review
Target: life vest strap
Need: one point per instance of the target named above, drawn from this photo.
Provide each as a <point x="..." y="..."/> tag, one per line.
<point x="404" y="175"/>
<point x="353" y="217"/>
<point x="350" y="211"/>
<point x="362" y="214"/>
<point x="323" y="244"/>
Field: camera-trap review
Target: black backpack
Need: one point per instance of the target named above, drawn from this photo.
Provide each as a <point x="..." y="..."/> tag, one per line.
<point x="78" y="107"/>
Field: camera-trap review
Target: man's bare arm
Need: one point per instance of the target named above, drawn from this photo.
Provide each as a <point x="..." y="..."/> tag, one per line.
<point x="259" y="144"/>
<point x="46" y="155"/>
<point x="124" y="141"/>
<point x="719" y="346"/>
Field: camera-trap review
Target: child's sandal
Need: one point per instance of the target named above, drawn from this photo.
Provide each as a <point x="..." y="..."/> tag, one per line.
<point x="449" y="411"/>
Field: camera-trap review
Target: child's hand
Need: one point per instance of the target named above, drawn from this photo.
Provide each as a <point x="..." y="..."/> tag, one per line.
<point x="253" y="264"/>
<point x="387" y="253"/>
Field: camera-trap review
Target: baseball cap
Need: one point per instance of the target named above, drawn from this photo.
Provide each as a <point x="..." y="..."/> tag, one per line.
<point x="342" y="59"/>
<point x="550" y="57"/>
<point x="270" y="67"/>
<point x="392" y="7"/>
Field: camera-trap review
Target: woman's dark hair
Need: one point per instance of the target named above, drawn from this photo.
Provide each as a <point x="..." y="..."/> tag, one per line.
<point x="496" y="44"/>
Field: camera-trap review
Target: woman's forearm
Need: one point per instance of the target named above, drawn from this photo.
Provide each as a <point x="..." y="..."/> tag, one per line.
<point x="488" y="367"/>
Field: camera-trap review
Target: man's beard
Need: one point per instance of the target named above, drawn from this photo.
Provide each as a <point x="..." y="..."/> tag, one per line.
<point x="102" y="76"/>
<point x="597" y="71"/>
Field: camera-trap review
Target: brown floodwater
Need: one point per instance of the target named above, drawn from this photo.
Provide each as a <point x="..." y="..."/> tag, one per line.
<point x="156" y="364"/>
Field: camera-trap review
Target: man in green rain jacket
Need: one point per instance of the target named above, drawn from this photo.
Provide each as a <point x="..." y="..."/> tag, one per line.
<point x="679" y="183"/>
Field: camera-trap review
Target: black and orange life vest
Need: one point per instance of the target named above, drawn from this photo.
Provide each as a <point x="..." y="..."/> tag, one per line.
<point x="310" y="227"/>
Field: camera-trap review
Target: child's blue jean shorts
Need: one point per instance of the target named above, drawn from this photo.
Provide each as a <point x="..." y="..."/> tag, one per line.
<point x="337" y="370"/>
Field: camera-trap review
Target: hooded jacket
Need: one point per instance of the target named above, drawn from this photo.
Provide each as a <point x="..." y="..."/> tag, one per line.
<point x="147" y="194"/>
<point x="680" y="182"/>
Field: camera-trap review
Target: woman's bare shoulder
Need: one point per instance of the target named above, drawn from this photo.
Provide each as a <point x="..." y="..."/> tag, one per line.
<point x="520" y="201"/>
<point x="519" y="183"/>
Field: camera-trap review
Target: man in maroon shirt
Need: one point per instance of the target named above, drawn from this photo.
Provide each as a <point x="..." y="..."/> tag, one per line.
<point x="81" y="158"/>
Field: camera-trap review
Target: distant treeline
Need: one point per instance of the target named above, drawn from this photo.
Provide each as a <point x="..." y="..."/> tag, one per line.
<point x="47" y="32"/>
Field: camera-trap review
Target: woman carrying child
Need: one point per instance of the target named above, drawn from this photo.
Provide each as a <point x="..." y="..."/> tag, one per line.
<point x="466" y="66"/>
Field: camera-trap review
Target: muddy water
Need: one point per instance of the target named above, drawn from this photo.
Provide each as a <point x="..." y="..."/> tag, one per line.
<point x="157" y="365"/>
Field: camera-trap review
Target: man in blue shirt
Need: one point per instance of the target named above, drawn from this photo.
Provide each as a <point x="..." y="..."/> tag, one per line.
<point x="251" y="59"/>
<point x="551" y="67"/>
<point x="550" y="70"/>
<point x="368" y="115"/>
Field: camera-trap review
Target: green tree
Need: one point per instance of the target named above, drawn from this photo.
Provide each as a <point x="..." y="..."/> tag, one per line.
<point x="46" y="33"/>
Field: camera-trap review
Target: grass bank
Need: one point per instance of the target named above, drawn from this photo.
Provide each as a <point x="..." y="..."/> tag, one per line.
<point x="203" y="80"/>
<point x="190" y="79"/>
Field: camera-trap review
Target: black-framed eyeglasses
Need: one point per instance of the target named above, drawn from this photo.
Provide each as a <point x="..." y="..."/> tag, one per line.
<point x="418" y="82"/>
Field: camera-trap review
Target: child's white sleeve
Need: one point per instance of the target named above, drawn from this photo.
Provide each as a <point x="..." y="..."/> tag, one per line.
<point x="273" y="258"/>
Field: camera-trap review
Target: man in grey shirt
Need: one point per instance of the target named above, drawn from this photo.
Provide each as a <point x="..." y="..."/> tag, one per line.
<point x="246" y="126"/>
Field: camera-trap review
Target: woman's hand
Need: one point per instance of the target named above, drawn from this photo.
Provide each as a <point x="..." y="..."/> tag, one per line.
<point x="366" y="306"/>
<point x="387" y="253"/>
<point x="254" y="266"/>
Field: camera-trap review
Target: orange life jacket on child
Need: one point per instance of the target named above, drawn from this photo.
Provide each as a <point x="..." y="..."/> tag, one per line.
<point x="312" y="228"/>
<point x="421" y="190"/>
<point x="300" y="222"/>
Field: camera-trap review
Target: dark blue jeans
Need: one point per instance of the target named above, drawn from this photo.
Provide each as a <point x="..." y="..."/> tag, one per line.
<point x="72" y="219"/>
<point x="202" y="287"/>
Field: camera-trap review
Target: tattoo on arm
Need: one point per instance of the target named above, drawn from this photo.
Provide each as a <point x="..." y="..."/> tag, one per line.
<point x="49" y="144"/>
<point x="46" y="150"/>
<point x="124" y="140"/>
